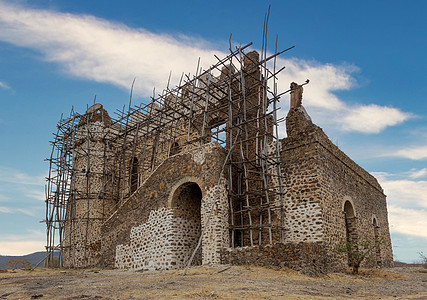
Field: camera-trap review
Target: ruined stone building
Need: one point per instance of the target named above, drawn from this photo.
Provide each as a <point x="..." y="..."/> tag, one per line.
<point x="199" y="175"/>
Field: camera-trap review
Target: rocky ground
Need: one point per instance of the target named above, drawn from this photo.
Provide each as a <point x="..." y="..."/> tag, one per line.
<point x="213" y="283"/>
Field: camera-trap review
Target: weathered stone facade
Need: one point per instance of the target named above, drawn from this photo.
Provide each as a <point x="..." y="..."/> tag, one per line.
<point x="150" y="206"/>
<point x="322" y="182"/>
<point x="306" y="257"/>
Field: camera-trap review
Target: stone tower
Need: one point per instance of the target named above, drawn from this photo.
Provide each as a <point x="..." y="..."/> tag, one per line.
<point x="90" y="197"/>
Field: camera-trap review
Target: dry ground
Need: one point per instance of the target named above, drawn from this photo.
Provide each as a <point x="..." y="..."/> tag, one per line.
<point x="213" y="283"/>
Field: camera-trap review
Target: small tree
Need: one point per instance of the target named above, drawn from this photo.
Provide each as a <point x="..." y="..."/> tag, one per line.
<point x="18" y="263"/>
<point x="357" y="251"/>
<point x="423" y="259"/>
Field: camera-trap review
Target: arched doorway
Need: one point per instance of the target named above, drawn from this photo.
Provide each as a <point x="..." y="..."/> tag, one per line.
<point x="350" y="228"/>
<point x="186" y="205"/>
<point x="377" y="242"/>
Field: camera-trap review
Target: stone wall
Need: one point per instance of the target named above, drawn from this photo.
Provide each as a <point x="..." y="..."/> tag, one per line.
<point x="310" y="258"/>
<point x="157" y="218"/>
<point x="90" y="198"/>
<point x="343" y="180"/>
<point x="155" y="212"/>
<point x="303" y="211"/>
<point x="163" y="242"/>
<point x="320" y="179"/>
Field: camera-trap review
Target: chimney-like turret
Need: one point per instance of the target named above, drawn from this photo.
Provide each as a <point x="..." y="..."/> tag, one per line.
<point x="297" y="119"/>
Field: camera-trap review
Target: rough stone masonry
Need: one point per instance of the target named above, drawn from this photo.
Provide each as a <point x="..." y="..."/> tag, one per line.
<point x="205" y="166"/>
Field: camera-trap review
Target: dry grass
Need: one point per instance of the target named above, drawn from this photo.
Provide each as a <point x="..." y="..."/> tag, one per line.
<point x="212" y="283"/>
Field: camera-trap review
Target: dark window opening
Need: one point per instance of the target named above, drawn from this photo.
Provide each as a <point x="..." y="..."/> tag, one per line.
<point x="377" y="243"/>
<point x="238" y="238"/>
<point x="134" y="175"/>
<point x="175" y="149"/>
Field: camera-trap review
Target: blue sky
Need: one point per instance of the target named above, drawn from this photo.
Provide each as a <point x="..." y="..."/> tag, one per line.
<point x="365" y="61"/>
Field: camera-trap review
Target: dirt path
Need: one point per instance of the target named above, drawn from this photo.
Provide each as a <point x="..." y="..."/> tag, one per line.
<point x="213" y="283"/>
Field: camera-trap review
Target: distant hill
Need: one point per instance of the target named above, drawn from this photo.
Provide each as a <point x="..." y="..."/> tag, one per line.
<point x="33" y="258"/>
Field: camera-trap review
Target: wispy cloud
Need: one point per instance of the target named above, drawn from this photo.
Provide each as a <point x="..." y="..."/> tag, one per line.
<point x="403" y="189"/>
<point x="36" y="194"/>
<point x="414" y="153"/>
<point x="4" y="209"/>
<point x="16" y="176"/>
<point x="319" y="95"/>
<point x="89" y="47"/>
<point x="17" y="191"/>
<point x="407" y="201"/>
<point x="408" y="221"/>
<point x="12" y="210"/>
<point x="96" y="49"/>
<point x="4" y="86"/>
<point x="415" y="174"/>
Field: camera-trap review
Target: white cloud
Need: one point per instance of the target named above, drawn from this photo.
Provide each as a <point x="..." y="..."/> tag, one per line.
<point x="17" y="191"/>
<point x="21" y="247"/>
<point x="407" y="201"/>
<point x="15" y="176"/>
<point x="4" y="209"/>
<point x="28" y="211"/>
<point x="4" y="86"/>
<point x="406" y="192"/>
<point x="408" y="221"/>
<point x="372" y="118"/>
<point x="12" y="210"/>
<point x="36" y="194"/>
<point x="414" y="153"/>
<point x="414" y="173"/>
<point x="96" y="49"/>
<point x="324" y="79"/>
<point x="92" y="48"/>
<point x="402" y="191"/>
<point x="328" y="108"/>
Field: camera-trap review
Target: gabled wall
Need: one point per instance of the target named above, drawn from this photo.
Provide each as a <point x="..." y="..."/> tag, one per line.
<point x="320" y="178"/>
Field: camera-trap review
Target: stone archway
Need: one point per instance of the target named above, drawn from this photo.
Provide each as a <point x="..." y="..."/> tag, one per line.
<point x="186" y="206"/>
<point x="350" y="226"/>
<point x="377" y="242"/>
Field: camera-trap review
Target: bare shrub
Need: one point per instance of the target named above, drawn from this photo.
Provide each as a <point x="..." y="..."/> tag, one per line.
<point x="18" y="263"/>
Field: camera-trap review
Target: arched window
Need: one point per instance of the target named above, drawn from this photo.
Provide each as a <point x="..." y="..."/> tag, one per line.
<point x="133" y="174"/>
<point x="175" y="149"/>
<point x="377" y="242"/>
